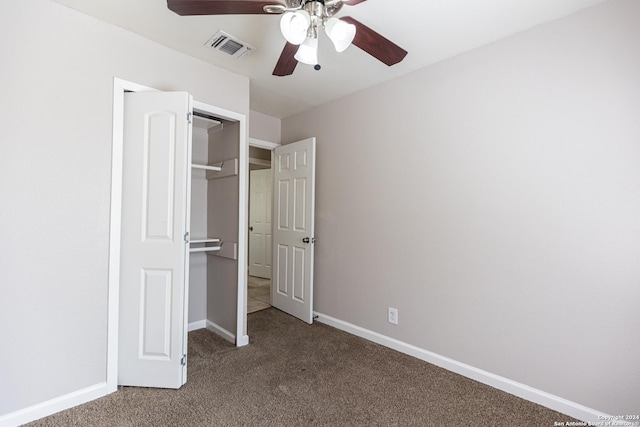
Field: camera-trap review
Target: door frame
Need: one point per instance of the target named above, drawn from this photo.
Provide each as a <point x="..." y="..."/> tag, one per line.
<point x="266" y="145"/>
<point x="121" y="86"/>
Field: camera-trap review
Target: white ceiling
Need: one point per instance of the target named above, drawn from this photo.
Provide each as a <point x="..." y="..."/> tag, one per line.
<point x="430" y="30"/>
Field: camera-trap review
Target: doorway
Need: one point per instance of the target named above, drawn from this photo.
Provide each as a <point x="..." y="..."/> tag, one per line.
<point x="260" y="225"/>
<point x="293" y="213"/>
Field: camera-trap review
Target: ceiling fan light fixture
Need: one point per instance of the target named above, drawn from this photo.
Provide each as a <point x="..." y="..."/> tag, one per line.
<point x="341" y="33"/>
<point x="308" y="52"/>
<point x="294" y="25"/>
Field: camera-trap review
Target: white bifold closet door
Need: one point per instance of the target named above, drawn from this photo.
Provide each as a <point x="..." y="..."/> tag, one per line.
<point x="153" y="295"/>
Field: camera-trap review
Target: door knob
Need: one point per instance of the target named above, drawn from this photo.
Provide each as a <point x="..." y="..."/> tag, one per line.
<point x="307" y="240"/>
<point x="251" y="228"/>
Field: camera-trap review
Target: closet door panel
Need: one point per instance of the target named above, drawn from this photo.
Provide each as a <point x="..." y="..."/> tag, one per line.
<point x="158" y="174"/>
<point x="152" y="329"/>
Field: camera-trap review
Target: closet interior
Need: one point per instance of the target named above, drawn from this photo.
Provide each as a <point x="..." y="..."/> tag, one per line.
<point x="213" y="239"/>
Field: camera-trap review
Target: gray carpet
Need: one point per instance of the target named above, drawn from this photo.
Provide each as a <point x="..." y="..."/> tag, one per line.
<point x="294" y="374"/>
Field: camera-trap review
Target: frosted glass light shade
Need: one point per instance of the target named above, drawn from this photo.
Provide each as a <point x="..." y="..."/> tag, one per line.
<point x="308" y="52"/>
<point x="294" y="26"/>
<point x="341" y="33"/>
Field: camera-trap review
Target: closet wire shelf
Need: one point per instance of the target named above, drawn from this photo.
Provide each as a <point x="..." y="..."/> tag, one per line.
<point x="221" y="249"/>
<point x="205" y="248"/>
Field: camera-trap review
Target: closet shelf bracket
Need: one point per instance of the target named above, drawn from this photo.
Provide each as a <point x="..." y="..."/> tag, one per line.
<point x="227" y="250"/>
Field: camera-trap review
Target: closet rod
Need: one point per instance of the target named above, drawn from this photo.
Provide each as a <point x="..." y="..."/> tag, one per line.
<point x="207" y="117"/>
<point x="207" y="249"/>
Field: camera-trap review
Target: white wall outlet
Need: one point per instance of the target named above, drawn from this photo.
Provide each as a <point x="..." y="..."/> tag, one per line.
<point x="393" y="315"/>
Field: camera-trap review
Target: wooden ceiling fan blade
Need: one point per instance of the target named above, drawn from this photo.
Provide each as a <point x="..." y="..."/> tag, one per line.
<point x="376" y="44"/>
<point x="352" y="2"/>
<point x="286" y="63"/>
<point x="219" y="7"/>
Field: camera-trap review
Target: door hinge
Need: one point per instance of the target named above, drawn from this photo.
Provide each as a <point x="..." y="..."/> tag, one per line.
<point x="189" y="116"/>
<point x="186" y="237"/>
<point x="183" y="361"/>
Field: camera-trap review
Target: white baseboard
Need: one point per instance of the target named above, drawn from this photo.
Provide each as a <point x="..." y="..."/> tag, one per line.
<point x="85" y="395"/>
<point x="199" y="324"/>
<point x="219" y="330"/>
<point x="52" y="406"/>
<point x="531" y="394"/>
<point x="242" y="341"/>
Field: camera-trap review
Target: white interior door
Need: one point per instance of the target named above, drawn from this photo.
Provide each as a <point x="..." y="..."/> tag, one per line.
<point x="293" y="234"/>
<point x="153" y="275"/>
<point x="260" y="224"/>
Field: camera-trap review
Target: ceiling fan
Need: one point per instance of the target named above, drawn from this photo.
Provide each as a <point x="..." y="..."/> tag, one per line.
<point x="299" y="24"/>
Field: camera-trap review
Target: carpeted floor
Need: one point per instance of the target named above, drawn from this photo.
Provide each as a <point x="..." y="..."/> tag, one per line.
<point x="294" y="374"/>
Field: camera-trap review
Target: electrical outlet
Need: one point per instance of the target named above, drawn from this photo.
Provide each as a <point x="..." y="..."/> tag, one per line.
<point x="393" y="315"/>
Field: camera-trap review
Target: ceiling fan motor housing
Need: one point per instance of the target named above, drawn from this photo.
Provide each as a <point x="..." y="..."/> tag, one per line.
<point x="321" y="9"/>
<point x="315" y="8"/>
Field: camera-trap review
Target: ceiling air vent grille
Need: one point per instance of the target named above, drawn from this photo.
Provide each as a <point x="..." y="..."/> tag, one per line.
<point x="230" y="45"/>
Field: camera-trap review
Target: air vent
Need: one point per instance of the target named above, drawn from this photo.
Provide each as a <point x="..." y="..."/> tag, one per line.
<point x="229" y="45"/>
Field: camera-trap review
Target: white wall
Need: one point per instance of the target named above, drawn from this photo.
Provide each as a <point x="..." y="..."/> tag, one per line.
<point x="494" y="199"/>
<point x="57" y="71"/>
<point x="222" y="209"/>
<point x="264" y="127"/>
